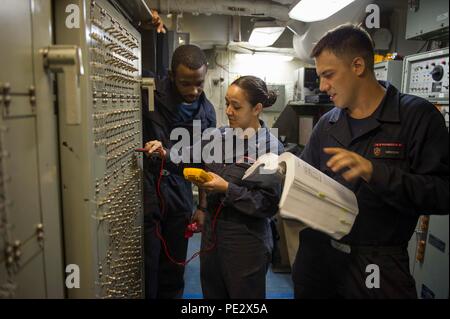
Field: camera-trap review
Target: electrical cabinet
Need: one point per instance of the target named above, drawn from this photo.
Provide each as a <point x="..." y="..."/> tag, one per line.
<point x="31" y="252"/>
<point x="70" y="180"/>
<point x="100" y="127"/>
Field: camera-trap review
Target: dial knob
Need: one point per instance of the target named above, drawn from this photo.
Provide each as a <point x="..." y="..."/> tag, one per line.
<point x="437" y="73"/>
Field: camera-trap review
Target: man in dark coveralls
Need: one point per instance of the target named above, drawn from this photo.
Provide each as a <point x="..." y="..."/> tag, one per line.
<point x="179" y="100"/>
<point x="391" y="150"/>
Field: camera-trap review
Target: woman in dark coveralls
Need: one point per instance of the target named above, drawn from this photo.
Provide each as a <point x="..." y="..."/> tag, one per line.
<point x="236" y="233"/>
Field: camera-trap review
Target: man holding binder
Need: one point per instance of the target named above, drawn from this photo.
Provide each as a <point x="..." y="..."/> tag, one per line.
<point x="391" y="150"/>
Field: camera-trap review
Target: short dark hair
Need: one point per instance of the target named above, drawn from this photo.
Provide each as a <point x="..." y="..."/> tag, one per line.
<point x="347" y="41"/>
<point x="256" y="90"/>
<point x="189" y="55"/>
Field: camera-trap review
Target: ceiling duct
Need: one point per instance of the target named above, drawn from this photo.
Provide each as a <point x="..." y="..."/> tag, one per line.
<point x="263" y="8"/>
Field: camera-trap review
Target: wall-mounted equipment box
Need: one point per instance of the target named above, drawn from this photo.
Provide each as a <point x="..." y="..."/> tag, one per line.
<point x="390" y="71"/>
<point x="427" y="20"/>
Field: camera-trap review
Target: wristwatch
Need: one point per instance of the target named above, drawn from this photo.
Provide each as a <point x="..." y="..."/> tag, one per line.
<point x="203" y="209"/>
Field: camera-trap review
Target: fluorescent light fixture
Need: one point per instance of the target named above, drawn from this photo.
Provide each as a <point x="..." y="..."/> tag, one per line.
<point x="314" y="10"/>
<point x="265" y="35"/>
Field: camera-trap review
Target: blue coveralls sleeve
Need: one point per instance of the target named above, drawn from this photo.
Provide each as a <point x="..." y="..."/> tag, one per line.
<point x="424" y="189"/>
<point x="258" y="200"/>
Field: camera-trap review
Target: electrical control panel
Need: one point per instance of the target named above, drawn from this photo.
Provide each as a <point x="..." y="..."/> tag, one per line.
<point x="101" y="173"/>
<point x="427" y="75"/>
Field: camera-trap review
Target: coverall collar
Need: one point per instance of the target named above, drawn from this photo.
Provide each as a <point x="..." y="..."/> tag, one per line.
<point x="170" y="98"/>
<point x="388" y="111"/>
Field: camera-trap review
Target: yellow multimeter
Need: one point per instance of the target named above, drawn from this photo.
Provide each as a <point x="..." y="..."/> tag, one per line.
<point x="196" y="175"/>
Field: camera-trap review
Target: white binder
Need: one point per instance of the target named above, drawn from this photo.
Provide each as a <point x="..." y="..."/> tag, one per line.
<point x="310" y="196"/>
